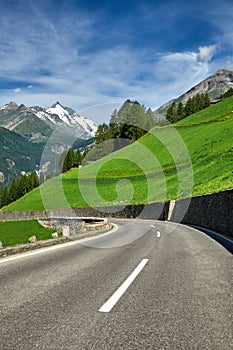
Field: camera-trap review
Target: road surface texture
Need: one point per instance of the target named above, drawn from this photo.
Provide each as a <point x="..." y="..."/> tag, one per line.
<point x="181" y="298"/>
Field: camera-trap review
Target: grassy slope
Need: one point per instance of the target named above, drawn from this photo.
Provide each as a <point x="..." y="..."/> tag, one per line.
<point x="141" y="167"/>
<point x="16" y="232"/>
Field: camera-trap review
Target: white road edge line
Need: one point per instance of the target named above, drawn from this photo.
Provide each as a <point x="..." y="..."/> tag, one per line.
<point x="107" y="307"/>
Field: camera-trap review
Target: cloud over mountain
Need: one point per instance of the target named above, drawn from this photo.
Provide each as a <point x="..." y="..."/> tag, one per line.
<point x="206" y="52"/>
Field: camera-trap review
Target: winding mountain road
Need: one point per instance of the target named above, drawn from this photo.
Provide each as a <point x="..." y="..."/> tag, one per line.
<point x="142" y="286"/>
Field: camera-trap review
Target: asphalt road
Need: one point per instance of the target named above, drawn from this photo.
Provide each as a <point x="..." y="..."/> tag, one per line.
<point x="181" y="298"/>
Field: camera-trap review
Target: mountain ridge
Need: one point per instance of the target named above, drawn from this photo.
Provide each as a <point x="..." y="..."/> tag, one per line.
<point x="18" y="155"/>
<point x="214" y="85"/>
<point x="54" y="129"/>
<point x="38" y="123"/>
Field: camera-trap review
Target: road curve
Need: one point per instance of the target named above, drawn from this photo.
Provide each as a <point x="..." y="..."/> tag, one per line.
<point x="180" y="299"/>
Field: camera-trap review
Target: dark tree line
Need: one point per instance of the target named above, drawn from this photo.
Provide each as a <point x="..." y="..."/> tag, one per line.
<point x="130" y="122"/>
<point x="18" y="188"/>
<point x="71" y="159"/>
<point x="227" y="94"/>
<point x="180" y="111"/>
<point x="26" y="183"/>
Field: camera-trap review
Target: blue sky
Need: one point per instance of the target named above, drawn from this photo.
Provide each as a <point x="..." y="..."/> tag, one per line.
<point x="93" y="55"/>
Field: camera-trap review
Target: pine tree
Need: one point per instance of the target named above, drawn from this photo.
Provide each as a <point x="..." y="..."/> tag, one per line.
<point x="22" y="185"/>
<point x="5" y="198"/>
<point x="14" y="190"/>
<point x="131" y="121"/>
<point x="188" y="107"/>
<point x="78" y="158"/>
<point x="33" y="180"/>
<point x="103" y="133"/>
<point x="171" y="114"/>
<point x="69" y="161"/>
<point x="228" y="93"/>
<point x="180" y="111"/>
<point x="1" y="196"/>
<point x="206" y="101"/>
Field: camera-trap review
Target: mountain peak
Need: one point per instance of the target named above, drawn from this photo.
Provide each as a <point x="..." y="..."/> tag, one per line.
<point x="37" y="120"/>
<point x="215" y="85"/>
<point x="56" y="104"/>
<point x="10" y="105"/>
<point x="223" y="71"/>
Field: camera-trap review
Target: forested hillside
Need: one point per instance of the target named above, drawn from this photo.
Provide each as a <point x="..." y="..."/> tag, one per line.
<point x="17" y="155"/>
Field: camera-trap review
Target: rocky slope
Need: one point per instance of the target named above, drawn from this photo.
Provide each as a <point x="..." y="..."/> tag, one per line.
<point x="18" y="155"/>
<point x="215" y="85"/>
<point x="32" y="138"/>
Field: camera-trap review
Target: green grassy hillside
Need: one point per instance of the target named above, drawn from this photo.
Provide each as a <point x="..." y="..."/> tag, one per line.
<point x="18" y="232"/>
<point x="192" y="157"/>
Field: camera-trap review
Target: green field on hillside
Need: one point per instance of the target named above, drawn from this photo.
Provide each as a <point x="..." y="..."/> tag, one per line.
<point x="215" y="112"/>
<point x="192" y="157"/>
<point x="18" y="232"/>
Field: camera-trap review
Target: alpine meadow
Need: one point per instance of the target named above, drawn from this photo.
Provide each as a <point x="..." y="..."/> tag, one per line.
<point x="152" y="169"/>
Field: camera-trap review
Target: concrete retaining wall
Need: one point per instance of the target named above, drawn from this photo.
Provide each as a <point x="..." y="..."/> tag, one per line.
<point x="214" y="211"/>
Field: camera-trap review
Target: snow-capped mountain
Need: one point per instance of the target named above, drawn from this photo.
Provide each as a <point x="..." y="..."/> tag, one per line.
<point x="33" y="138"/>
<point x="65" y="116"/>
<point x="38" y="123"/>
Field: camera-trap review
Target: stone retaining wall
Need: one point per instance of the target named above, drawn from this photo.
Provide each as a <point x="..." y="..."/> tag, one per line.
<point x="59" y="223"/>
<point x="144" y="211"/>
<point x="213" y="211"/>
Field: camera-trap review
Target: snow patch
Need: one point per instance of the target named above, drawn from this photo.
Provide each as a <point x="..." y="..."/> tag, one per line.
<point x="61" y="113"/>
<point x="60" y="116"/>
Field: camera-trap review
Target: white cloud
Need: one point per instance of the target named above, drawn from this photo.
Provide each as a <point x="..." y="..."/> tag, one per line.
<point x="17" y="90"/>
<point x="50" y="56"/>
<point x="99" y="82"/>
<point x="206" y="52"/>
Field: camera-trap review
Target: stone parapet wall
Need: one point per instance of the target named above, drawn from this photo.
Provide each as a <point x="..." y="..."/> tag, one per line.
<point x="213" y="211"/>
<point x="58" y="224"/>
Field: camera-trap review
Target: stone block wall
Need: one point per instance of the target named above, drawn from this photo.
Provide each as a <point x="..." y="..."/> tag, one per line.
<point x="58" y="223"/>
<point x="144" y="211"/>
<point x="213" y="211"/>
